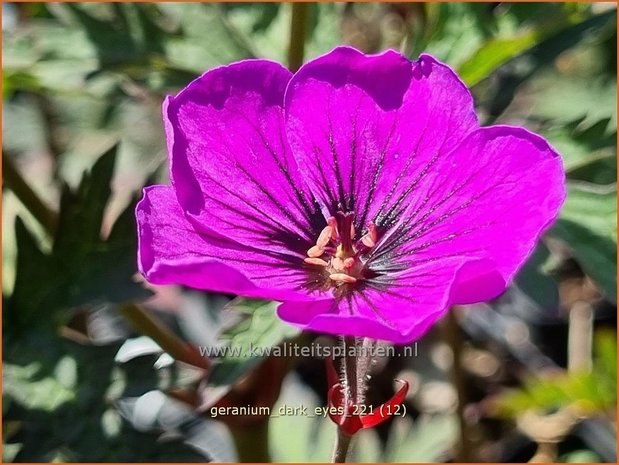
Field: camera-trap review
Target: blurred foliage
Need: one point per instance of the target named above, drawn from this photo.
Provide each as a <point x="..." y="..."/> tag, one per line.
<point x="588" y="225"/>
<point x="82" y="267"/>
<point x="587" y="392"/>
<point x="258" y="329"/>
<point x="82" y="89"/>
<point x="427" y="440"/>
<point x="58" y="406"/>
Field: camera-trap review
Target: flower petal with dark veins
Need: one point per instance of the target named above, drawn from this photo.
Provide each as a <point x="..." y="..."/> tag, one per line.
<point x="364" y="127"/>
<point x="489" y="199"/>
<point x="231" y="164"/>
<point x="171" y="251"/>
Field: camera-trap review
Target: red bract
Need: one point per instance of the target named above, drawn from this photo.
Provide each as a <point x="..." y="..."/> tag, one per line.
<point x="346" y="414"/>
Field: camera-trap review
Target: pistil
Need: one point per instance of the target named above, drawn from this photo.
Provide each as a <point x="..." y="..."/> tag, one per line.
<point x="315" y="261"/>
<point x="342" y="278"/>
<point x="346" y="230"/>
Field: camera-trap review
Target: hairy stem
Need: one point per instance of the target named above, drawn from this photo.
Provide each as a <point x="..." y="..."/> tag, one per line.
<point x="252" y="442"/>
<point x="342" y="444"/>
<point x="298" y="32"/>
<point x="350" y="371"/>
<point x="453" y="337"/>
<point x="28" y="197"/>
<point x="353" y="387"/>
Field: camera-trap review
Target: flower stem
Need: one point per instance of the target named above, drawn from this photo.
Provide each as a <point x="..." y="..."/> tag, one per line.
<point x="453" y="337"/>
<point x="342" y="444"/>
<point x="149" y="325"/>
<point x="546" y="453"/>
<point x="350" y="371"/>
<point x="352" y="393"/>
<point x="580" y="336"/>
<point x="252" y="442"/>
<point x="13" y="179"/>
<point x="298" y="25"/>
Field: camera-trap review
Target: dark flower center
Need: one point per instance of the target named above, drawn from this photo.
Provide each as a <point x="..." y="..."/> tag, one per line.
<point x="337" y="257"/>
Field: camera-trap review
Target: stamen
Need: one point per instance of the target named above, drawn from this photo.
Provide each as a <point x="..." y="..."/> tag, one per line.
<point x="349" y="263"/>
<point x="370" y="239"/>
<point x="315" y="251"/>
<point x="342" y="278"/>
<point x="324" y="237"/>
<point x="315" y="261"/>
<point x="337" y="263"/>
<point x="332" y="222"/>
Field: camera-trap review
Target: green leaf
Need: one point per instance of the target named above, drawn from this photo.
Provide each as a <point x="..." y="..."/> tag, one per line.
<point x="57" y="393"/>
<point x="499" y="50"/>
<point x="15" y="79"/>
<point x="493" y="54"/>
<point x="299" y="438"/>
<point x="45" y="393"/>
<point x="594" y="206"/>
<point x="130" y="37"/>
<point x="581" y="147"/>
<point x="46" y="55"/>
<point x="82" y="267"/>
<point x="23" y="128"/>
<point x="588" y="225"/>
<point x="454" y="33"/>
<point x="535" y="283"/>
<point x="590" y="392"/>
<point x="532" y="78"/>
<point x="429" y="439"/>
<point x="325" y="31"/>
<point x="259" y="328"/>
<point x="200" y="24"/>
<point x="592" y="98"/>
<point x="266" y="28"/>
<point x="606" y="350"/>
<point x="580" y="456"/>
<point x="10" y="451"/>
<point x="596" y="254"/>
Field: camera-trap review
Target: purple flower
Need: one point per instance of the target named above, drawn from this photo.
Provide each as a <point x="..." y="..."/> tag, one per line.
<point x="360" y="191"/>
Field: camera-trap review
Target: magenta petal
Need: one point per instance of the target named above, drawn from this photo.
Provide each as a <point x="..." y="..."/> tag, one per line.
<point x="473" y="221"/>
<point x="364" y="127"/>
<point x="171" y="251"/>
<point x="332" y="317"/>
<point x="399" y="308"/>
<point x="489" y="200"/>
<point x="231" y="165"/>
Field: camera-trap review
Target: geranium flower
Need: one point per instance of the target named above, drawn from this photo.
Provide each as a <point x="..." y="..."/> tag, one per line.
<point x="360" y="191"/>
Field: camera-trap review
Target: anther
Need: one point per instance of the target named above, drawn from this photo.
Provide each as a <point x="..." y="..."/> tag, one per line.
<point x="332" y="222"/>
<point x="315" y="251"/>
<point x="370" y="239"/>
<point x="324" y="237"/>
<point x="342" y="278"/>
<point x="315" y="261"/>
<point x="337" y="264"/>
<point x="349" y="263"/>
